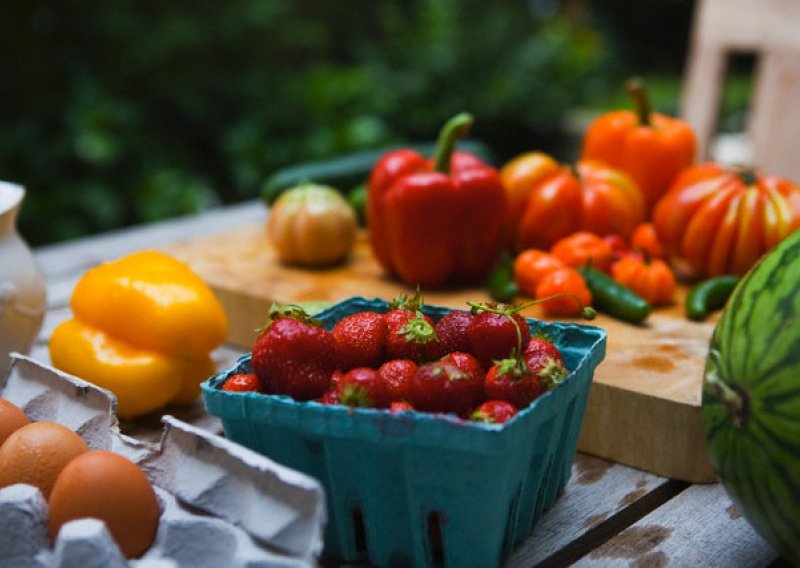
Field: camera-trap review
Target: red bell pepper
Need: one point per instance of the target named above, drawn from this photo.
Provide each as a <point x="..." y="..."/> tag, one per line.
<point x="436" y="221"/>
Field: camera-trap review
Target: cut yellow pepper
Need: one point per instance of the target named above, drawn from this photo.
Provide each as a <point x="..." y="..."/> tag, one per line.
<point x="143" y="327"/>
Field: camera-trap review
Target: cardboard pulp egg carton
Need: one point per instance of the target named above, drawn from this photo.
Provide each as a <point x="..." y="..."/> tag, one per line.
<point x="222" y="504"/>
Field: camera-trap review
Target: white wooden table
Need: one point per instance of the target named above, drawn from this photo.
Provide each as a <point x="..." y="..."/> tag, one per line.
<point x="609" y="514"/>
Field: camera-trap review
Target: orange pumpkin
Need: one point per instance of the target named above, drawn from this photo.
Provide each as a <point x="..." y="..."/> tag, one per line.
<point x="550" y="201"/>
<point x="651" y="279"/>
<point x="721" y="220"/>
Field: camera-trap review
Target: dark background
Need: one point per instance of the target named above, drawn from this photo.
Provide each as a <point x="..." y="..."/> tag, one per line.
<point x="128" y="111"/>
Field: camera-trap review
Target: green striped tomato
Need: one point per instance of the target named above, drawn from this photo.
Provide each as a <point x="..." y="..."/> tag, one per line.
<point x="751" y="397"/>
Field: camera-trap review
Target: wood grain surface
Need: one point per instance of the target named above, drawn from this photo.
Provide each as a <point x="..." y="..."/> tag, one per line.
<point x="644" y="406"/>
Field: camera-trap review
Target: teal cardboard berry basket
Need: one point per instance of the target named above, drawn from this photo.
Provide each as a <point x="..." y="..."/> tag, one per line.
<point x="418" y="489"/>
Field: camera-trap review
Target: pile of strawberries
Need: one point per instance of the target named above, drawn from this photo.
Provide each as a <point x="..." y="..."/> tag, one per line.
<point x="481" y="364"/>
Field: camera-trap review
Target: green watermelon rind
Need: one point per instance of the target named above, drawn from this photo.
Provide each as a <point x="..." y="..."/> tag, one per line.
<point x="756" y="345"/>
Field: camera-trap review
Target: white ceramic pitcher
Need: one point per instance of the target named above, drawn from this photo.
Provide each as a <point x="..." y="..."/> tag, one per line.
<point x="22" y="290"/>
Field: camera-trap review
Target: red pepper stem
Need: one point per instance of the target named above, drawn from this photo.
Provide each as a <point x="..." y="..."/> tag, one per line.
<point x="455" y="128"/>
<point x="638" y="93"/>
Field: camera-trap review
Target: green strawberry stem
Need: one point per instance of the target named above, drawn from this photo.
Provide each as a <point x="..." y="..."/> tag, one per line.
<point x="418" y="330"/>
<point x="294" y="311"/>
<point x="455" y="128"/>
<point x="403" y="302"/>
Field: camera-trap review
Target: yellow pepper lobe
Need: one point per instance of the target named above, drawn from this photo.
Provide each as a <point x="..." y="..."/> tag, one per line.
<point x="153" y="301"/>
<point x="141" y="380"/>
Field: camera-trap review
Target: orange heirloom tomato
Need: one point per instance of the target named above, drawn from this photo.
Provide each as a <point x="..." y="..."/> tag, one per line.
<point x="550" y="201"/>
<point x="565" y="280"/>
<point x="582" y="248"/>
<point x="653" y="279"/>
<point x="645" y="238"/>
<point x="721" y="220"/>
<point x="652" y="148"/>
<point x="530" y="267"/>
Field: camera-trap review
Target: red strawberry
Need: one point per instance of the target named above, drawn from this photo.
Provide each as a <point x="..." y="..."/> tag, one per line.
<point x="545" y="360"/>
<point x="241" y="382"/>
<point x="513" y="381"/>
<point x="293" y="355"/>
<point x="362" y="387"/>
<point x="451" y="330"/>
<point x="330" y="396"/>
<point x="361" y="340"/>
<point x="400" y="406"/>
<point x="541" y="345"/>
<point x="494" y="412"/>
<point x="409" y="330"/>
<point x="467" y="363"/>
<point x="396" y="375"/>
<point x="440" y="386"/>
<point x="495" y="332"/>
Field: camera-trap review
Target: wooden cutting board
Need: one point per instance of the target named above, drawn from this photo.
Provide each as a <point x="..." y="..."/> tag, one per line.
<point x="644" y="406"/>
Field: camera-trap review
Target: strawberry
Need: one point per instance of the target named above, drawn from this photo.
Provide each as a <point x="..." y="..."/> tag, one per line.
<point x="513" y="381"/>
<point x="545" y="360"/>
<point x="396" y="375"/>
<point x="361" y="340"/>
<point x="440" y="386"/>
<point x="451" y="330"/>
<point x="467" y="363"/>
<point x="540" y="344"/>
<point x="293" y="355"/>
<point x="409" y="330"/>
<point x="494" y="412"/>
<point x="400" y="406"/>
<point x="330" y="396"/>
<point x="362" y="387"/>
<point x="496" y="330"/>
<point x="241" y="382"/>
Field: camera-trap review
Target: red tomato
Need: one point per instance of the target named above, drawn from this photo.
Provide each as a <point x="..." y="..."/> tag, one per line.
<point x="584" y="248"/>
<point x="564" y="281"/>
<point x="721" y="220"/>
<point x="551" y="201"/>
<point x="530" y="266"/>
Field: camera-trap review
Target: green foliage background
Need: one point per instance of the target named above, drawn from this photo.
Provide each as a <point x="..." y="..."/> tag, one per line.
<point x="122" y="112"/>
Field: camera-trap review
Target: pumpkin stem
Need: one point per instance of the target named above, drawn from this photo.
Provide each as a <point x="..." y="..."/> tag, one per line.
<point x="455" y="128"/>
<point x="638" y="93"/>
<point x="734" y="399"/>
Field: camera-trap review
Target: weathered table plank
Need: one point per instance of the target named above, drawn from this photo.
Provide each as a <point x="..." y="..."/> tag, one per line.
<point x="699" y="527"/>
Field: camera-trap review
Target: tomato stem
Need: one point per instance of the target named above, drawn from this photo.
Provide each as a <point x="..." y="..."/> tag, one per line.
<point x="455" y="128"/>
<point x="638" y="93"/>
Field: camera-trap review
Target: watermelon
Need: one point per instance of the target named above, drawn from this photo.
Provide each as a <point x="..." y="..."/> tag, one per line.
<point x="751" y="397"/>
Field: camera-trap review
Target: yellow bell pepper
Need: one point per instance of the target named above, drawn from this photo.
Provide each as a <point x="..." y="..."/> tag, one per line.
<point x="143" y="327"/>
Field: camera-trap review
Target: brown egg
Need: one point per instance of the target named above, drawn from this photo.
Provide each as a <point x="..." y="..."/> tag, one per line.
<point x="11" y="419"/>
<point x="109" y="487"/>
<point x="36" y="453"/>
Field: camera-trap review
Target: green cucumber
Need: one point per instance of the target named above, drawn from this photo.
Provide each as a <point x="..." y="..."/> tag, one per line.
<point x="349" y="170"/>
<point x="613" y="298"/>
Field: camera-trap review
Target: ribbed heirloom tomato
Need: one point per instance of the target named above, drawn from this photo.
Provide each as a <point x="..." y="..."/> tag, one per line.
<point x="720" y="219"/>
<point x="550" y="201"/>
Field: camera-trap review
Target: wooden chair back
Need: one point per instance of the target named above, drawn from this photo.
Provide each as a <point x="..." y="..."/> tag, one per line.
<point x="769" y="29"/>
